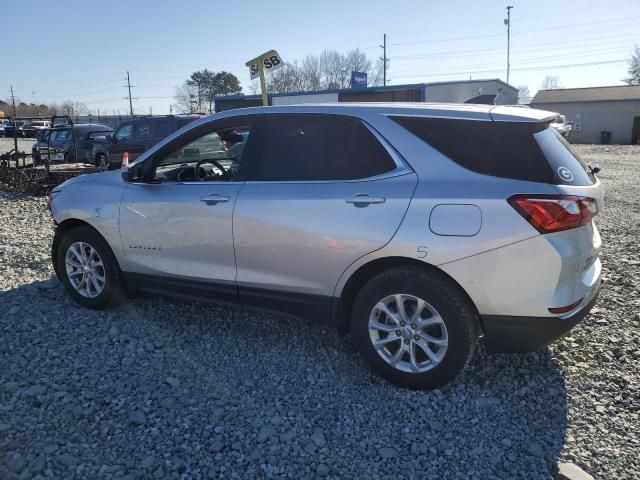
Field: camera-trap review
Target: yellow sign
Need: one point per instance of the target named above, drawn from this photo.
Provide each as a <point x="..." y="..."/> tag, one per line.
<point x="265" y="63"/>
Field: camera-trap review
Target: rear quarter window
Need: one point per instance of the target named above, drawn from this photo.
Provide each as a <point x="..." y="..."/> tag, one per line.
<point x="517" y="150"/>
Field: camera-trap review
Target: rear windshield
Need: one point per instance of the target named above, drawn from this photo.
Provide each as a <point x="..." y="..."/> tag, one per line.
<point x="517" y="150"/>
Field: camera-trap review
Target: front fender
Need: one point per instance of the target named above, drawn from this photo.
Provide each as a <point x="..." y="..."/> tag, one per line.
<point x="96" y="204"/>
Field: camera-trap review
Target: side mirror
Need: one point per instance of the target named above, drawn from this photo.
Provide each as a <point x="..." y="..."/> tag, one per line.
<point x="134" y="172"/>
<point x="137" y="172"/>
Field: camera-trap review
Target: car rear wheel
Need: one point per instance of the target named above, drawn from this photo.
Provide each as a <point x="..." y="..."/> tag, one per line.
<point x="414" y="327"/>
<point x="88" y="269"/>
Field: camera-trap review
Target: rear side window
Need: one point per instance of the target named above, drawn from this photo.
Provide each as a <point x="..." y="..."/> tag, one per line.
<point x="160" y="127"/>
<point x="518" y="150"/>
<point x="319" y="147"/>
<point x="182" y="121"/>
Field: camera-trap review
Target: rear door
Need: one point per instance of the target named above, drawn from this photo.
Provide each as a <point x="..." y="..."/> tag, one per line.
<point x="324" y="191"/>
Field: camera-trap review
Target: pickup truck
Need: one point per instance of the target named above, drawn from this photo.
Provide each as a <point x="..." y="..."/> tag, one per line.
<point x="136" y="136"/>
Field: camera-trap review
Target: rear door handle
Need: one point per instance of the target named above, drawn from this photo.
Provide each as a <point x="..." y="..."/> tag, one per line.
<point x="364" y="199"/>
<point x="214" y="198"/>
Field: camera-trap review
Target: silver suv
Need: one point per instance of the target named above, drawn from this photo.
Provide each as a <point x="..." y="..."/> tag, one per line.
<point x="416" y="227"/>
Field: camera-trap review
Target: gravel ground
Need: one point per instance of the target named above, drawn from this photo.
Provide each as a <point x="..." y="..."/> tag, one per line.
<point x="157" y="386"/>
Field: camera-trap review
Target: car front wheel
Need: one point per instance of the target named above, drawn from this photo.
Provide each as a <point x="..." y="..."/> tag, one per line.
<point x="88" y="269"/>
<point x="414" y="327"/>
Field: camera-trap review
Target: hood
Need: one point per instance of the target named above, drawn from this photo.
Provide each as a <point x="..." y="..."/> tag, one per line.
<point x="102" y="177"/>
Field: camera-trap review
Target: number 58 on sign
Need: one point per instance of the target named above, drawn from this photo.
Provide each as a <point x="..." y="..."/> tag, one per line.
<point x="269" y="62"/>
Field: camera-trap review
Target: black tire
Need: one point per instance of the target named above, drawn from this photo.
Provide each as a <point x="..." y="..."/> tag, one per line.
<point x="102" y="164"/>
<point x="113" y="291"/>
<point x="456" y="310"/>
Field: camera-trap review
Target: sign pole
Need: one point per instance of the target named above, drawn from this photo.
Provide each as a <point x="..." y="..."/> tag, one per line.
<point x="263" y="87"/>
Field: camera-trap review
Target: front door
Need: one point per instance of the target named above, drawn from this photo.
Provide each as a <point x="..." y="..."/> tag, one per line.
<point x="177" y="229"/>
<point x="121" y="140"/>
<point x="324" y="192"/>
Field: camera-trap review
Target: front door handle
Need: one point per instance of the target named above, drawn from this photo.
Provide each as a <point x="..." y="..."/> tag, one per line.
<point x="364" y="199"/>
<point x="214" y="198"/>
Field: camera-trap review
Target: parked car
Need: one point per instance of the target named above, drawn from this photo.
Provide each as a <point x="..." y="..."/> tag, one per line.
<point x="376" y="218"/>
<point x="32" y="127"/>
<point x="3" y="125"/>
<point x="12" y="127"/>
<point x="562" y="126"/>
<point x="136" y="136"/>
<point x="62" y="143"/>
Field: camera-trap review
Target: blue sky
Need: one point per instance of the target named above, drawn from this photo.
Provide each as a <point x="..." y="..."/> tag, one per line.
<point x="81" y="50"/>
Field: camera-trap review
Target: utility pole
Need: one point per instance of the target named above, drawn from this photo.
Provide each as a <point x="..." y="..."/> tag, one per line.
<point x="384" y="59"/>
<point x="507" y="22"/>
<point x="170" y="109"/>
<point x="130" y="102"/>
<point x="13" y="101"/>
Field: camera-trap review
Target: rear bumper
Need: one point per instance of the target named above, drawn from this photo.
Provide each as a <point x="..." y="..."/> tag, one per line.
<point x="511" y="334"/>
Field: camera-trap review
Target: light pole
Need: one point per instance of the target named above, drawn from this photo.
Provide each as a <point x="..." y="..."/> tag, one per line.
<point x="507" y="22"/>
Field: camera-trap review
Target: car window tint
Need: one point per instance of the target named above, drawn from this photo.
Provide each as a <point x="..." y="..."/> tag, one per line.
<point x="319" y="147"/>
<point x="160" y="128"/>
<point x="124" y="132"/>
<point x="61" y="135"/>
<point x="142" y="130"/>
<point x="517" y="150"/>
<point x="221" y="148"/>
<point x="182" y="121"/>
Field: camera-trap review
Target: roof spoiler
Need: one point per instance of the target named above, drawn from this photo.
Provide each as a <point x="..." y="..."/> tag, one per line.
<point x="521" y="113"/>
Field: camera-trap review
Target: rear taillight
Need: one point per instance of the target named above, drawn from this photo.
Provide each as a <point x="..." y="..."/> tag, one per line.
<point x="553" y="213"/>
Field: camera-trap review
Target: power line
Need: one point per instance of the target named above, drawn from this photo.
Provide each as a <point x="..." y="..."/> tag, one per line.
<point x="544" y="67"/>
<point x="533" y="47"/>
<point x="475" y="37"/>
<point x="529" y="60"/>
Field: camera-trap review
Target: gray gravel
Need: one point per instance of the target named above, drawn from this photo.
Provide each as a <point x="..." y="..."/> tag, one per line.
<point x="158" y="387"/>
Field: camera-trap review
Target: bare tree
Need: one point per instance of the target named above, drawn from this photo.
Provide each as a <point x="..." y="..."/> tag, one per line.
<point x="186" y="98"/>
<point x="524" y="95"/>
<point x="551" y="82"/>
<point x="329" y="70"/>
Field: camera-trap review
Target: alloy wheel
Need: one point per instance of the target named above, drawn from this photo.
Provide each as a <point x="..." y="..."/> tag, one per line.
<point x="408" y="333"/>
<point x="85" y="269"/>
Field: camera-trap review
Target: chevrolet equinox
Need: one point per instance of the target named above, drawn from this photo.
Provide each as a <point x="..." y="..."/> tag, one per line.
<point x="417" y="227"/>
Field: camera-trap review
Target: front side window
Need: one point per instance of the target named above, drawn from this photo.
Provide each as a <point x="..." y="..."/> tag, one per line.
<point x="214" y="156"/>
<point x="124" y="132"/>
<point x="312" y="147"/>
<point x="60" y="135"/>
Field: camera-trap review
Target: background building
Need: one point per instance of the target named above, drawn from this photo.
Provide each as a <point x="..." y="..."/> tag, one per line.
<point x="595" y="110"/>
<point x="493" y="91"/>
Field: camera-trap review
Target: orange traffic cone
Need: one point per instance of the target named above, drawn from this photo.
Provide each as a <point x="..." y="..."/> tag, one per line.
<point x="125" y="160"/>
